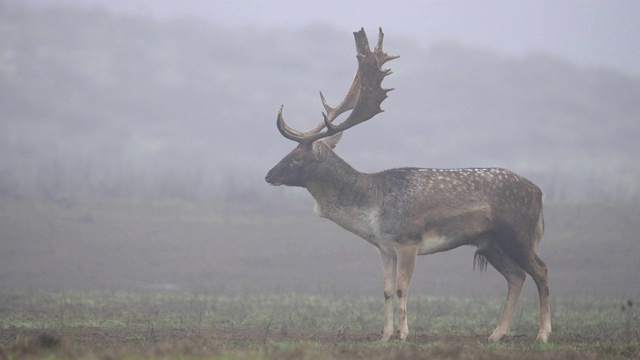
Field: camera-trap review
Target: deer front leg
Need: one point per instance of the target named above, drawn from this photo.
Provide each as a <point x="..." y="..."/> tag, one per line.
<point x="389" y="273"/>
<point x="406" y="257"/>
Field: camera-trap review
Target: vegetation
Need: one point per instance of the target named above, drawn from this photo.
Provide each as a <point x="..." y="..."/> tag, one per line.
<point x="166" y="325"/>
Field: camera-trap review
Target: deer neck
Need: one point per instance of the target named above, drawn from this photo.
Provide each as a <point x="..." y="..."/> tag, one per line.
<point x="338" y="188"/>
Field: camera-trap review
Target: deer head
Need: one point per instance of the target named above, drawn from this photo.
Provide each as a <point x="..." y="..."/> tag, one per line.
<point x="363" y="99"/>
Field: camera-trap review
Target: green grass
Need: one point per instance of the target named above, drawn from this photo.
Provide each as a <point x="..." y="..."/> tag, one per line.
<point x="156" y="324"/>
<point x="592" y="317"/>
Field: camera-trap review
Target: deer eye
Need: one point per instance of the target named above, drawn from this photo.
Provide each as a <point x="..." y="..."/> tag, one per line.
<point x="296" y="161"/>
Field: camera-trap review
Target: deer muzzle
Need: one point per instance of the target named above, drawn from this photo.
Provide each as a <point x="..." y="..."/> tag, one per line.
<point x="270" y="178"/>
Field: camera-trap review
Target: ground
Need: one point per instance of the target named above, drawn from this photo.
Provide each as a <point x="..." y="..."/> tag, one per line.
<point x="107" y="325"/>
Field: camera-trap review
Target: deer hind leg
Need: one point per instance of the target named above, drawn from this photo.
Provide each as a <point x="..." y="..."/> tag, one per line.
<point x="406" y="256"/>
<point x="515" y="279"/>
<point x="389" y="264"/>
<point x="537" y="268"/>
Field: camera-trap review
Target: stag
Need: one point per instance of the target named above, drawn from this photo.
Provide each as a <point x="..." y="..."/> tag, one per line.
<point x="407" y="212"/>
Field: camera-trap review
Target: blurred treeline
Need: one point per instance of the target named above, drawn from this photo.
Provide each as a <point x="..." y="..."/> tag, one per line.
<point x="97" y="104"/>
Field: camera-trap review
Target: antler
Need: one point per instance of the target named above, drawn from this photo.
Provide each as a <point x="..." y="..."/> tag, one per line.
<point x="364" y="97"/>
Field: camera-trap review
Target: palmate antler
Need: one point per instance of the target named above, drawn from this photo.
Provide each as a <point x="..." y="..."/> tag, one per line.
<point x="364" y="97"/>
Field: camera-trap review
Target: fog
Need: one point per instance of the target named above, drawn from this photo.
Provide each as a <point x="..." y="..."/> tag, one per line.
<point x="600" y="33"/>
<point x="112" y="111"/>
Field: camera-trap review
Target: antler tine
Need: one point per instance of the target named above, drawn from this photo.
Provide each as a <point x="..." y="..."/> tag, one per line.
<point x="364" y="96"/>
<point x="380" y="53"/>
<point x="370" y="76"/>
<point x="285" y="130"/>
<point x="298" y="136"/>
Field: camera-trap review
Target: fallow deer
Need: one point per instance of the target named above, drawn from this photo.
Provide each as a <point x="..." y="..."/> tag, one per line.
<point x="407" y="212"/>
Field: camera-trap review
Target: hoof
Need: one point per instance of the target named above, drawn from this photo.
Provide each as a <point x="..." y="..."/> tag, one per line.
<point x="496" y="336"/>
<point x="385" y="338"/>
<point x="543" y="337"/>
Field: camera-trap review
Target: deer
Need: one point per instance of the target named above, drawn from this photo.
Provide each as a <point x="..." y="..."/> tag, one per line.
<point x="406" y="212"/>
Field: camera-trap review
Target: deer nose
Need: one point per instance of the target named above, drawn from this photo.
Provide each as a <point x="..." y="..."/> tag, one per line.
<point x="269" y="176"/>
<point x="272" y="178"/>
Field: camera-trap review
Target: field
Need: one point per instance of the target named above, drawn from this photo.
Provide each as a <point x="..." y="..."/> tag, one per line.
<point x="112" y="324"/>
<point x="228" y="279"/>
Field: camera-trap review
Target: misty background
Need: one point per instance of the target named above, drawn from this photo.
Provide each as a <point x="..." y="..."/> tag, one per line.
<point x="146" y="128"/>
<point x="124" y="104"/>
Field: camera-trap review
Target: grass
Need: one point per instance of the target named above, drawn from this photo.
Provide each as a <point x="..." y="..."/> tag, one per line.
<point x="103" y="324"/>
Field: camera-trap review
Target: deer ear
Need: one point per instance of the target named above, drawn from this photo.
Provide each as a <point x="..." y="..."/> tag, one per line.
<point x="332" y="140"/>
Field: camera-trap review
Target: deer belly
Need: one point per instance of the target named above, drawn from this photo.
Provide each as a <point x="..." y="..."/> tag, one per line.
<point x="433" y="242"/>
